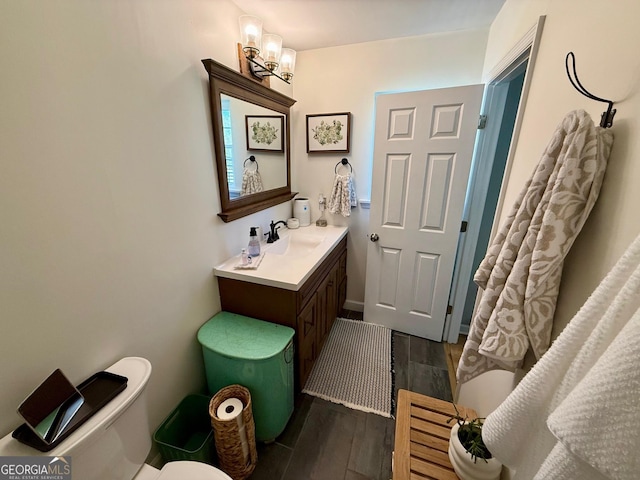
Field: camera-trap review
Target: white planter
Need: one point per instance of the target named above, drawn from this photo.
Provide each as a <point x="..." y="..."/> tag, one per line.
<point x="464" y="466"/>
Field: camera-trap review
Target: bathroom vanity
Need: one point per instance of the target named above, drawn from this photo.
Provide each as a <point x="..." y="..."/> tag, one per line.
<point x="301" y="283"/>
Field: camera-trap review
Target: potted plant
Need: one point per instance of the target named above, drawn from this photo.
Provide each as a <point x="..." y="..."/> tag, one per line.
<point x="469" y="456"/>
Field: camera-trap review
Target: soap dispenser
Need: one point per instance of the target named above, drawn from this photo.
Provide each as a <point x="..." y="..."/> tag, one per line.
<point x="321" y="222"/>
<point x="254" y="243"/>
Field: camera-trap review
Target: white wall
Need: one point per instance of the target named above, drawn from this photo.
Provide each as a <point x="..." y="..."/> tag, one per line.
<point x="346" y="79"/>
<point x="108" y="192"/>
<point x="604" y="37"/>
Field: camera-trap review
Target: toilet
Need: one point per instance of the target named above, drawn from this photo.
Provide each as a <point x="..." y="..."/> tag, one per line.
<point x="114" y="443"/>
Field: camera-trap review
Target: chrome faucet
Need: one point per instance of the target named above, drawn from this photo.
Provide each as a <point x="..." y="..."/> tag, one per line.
<point x="273" y="234"/>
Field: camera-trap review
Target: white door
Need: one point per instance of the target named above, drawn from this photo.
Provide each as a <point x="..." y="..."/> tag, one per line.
<point x="422" y="156"/>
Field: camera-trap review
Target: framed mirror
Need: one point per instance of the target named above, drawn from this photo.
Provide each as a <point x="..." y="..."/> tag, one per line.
<point x="251" y="132"/>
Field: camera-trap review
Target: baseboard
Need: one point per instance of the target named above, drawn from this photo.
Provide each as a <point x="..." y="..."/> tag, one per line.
<point x="352" y="305"/>
<point x="464" y="329"/>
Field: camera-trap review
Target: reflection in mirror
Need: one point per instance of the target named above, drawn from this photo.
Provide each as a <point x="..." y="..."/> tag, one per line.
<point x="248" y="119"/>
<point x="254" y="147"/>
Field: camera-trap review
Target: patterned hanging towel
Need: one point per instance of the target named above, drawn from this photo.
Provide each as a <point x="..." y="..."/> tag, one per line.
<point x="251" y="182"/>
<point x="343" y="195"/>
<point x="521" y="271"/>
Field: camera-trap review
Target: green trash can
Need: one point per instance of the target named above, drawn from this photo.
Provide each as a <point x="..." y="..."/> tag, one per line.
<point x="255" y="354"/>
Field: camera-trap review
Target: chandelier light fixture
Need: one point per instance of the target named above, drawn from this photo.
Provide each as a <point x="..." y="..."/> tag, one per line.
<point x="264" y="52"/>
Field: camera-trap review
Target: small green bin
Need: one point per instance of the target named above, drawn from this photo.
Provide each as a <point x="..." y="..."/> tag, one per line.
<point x="186" y="434"/>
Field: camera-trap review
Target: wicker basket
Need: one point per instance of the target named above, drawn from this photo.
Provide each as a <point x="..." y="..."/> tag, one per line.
<point x="227" y="434"/>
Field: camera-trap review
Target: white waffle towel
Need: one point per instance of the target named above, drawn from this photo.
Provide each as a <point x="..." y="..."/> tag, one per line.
<point x="575" y="415"/>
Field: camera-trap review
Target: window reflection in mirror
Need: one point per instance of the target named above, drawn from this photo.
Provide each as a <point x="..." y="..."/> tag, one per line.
<point x="252" y="130"/>
<point x="227" y="130"/>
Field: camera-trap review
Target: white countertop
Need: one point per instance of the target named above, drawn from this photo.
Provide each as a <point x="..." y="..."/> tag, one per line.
<point x="287" y="270"/>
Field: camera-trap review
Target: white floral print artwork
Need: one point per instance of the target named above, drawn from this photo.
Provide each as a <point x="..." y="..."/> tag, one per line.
<point x="328" y="132"/>
<point x="264" y="132"/>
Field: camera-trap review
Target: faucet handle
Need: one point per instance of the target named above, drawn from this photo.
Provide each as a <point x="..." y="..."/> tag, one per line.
<point x="273" y="233"/>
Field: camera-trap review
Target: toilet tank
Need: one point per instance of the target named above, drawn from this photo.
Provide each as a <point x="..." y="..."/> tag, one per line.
<point x="114" y="443"/>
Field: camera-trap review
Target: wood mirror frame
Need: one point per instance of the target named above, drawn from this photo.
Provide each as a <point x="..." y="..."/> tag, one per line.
<point x="223" y="80"/>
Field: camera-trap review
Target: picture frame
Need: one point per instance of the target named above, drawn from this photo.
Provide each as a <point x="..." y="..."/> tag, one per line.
<point x="329" y="132"/>
<point x="264" y="133"/>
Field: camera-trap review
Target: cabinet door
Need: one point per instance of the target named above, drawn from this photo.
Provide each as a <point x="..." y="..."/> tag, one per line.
<point x="342" y="266"/>
<point x="327" y="311"/>
<point x="322" y="315"/>
<point x="307" y="342"/>
<point x="341" y="283"/>
<point x="341" y="295"/>
<point x="331" y="299"/>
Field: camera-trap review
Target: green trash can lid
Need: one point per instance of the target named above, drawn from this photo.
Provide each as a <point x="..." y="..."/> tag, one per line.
<point x="237" y="336"/>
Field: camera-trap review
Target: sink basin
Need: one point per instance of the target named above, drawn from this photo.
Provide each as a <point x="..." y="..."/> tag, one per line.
<point x="290" y="261"/>
<point x="295" y="244"/>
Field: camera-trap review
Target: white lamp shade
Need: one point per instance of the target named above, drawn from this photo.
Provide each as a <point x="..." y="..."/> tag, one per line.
<point x="250" y="32"/>
<point x="288" y="60"/>
<point x="272" y="48"/>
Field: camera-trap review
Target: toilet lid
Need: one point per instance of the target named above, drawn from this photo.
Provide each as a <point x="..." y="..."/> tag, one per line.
<point x="191" y="471"/>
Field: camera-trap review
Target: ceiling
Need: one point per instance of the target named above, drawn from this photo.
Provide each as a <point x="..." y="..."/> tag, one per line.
<point x="310" y="24"/>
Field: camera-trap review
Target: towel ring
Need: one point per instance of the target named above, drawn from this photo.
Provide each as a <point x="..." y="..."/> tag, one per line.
<point x="344" y="162"/>
<point x="253" y="160"/>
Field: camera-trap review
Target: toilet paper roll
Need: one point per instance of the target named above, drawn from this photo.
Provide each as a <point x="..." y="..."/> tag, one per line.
<point x="231" y="409"/>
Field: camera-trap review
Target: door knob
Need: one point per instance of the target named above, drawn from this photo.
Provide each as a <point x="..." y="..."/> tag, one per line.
<point x="374" y="237"/>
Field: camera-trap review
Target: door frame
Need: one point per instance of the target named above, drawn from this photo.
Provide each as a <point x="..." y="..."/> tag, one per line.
<point x="525" y="49"/>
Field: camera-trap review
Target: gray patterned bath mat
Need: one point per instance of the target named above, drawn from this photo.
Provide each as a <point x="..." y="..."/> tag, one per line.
<point x="354" y="367"/>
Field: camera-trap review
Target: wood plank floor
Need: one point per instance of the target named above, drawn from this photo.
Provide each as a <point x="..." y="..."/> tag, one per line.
<point x="453" y="352"/>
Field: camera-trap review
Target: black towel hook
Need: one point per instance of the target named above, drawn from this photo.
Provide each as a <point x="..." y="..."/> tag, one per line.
<point x="344" y="162"/>
<point x="606" y="120"/>
<point x="253" y="160"/>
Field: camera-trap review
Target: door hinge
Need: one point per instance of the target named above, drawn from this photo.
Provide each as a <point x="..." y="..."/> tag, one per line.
<point x="449" y="309"/>
<point x="463" y="226"/>
<point x="482" y="122"/>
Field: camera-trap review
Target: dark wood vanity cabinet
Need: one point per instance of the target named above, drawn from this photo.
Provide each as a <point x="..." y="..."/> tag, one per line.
<point x="310" y="311"/>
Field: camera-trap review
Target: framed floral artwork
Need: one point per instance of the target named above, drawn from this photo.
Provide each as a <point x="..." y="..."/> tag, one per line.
<point x="264" y="133"/>
<point x="328" y="132"/>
